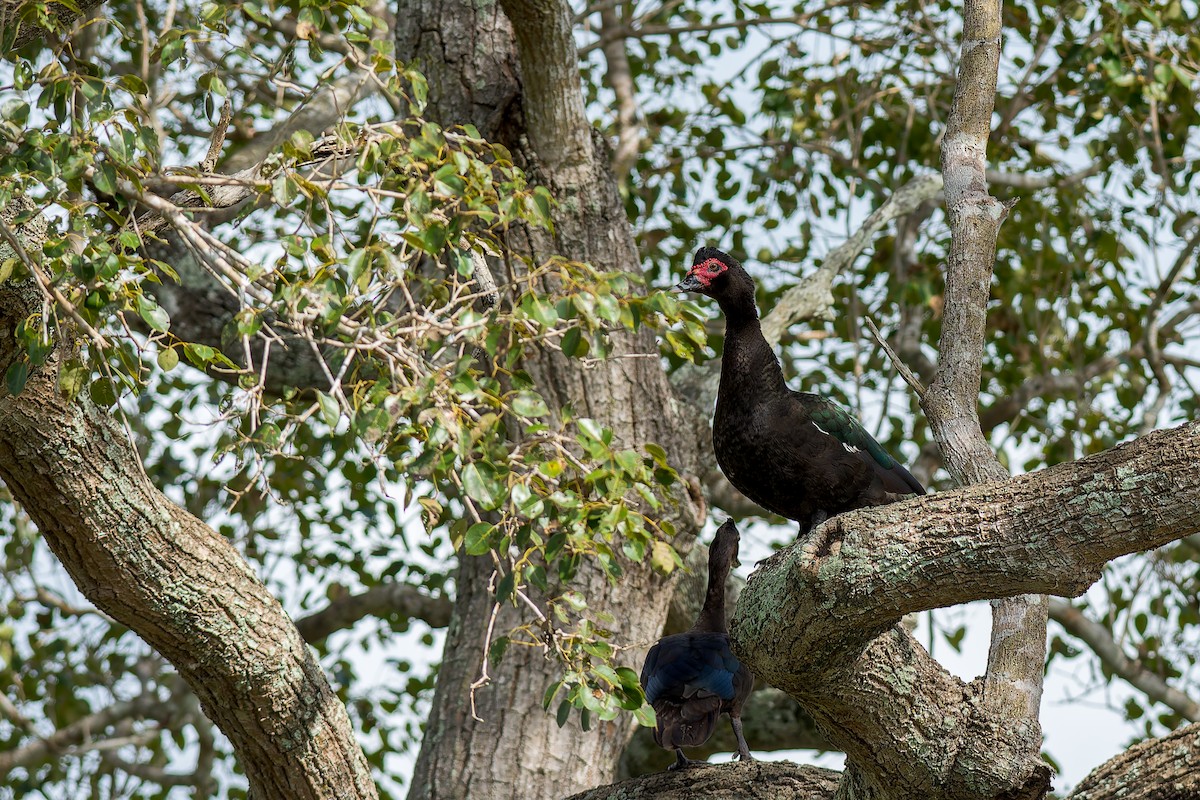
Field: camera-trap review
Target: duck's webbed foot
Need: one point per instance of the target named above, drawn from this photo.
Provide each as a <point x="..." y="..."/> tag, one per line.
<point x="682" y="761"/>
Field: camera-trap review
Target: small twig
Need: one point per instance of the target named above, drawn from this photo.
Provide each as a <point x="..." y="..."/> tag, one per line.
<point x="484" y="677"/>
<point x="218" y="138"/>
<point x="912" y="380"/>
<point x="48" y="288"/>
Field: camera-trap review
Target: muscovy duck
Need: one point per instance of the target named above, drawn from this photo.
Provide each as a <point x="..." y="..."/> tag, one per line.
<point x="797" y="454"/>
<point x="690" y="678"/>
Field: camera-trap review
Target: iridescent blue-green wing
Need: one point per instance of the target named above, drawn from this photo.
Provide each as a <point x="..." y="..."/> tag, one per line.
<point x="837" y="421"/>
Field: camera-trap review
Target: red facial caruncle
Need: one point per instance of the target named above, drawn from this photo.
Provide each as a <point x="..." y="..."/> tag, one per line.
<point x="707" y="271"/>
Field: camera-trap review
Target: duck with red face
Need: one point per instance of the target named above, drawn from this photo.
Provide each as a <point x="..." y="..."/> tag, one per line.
<point x="797" y="454"/>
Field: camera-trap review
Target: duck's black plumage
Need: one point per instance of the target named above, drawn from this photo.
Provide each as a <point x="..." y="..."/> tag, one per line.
<point x="797" y="454"/>
<point x="690" y="678"/>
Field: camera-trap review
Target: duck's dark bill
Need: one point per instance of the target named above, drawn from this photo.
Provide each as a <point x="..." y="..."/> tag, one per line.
<point x="688" y="284"/>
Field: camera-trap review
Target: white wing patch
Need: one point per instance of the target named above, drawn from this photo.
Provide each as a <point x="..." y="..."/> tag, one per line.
<point x="849" y="447"/>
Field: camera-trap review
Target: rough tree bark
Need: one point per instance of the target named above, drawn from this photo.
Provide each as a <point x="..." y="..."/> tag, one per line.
<point x="819" y="619"/>
<point x="513" y="749"/>
<point x="174" y="581"/>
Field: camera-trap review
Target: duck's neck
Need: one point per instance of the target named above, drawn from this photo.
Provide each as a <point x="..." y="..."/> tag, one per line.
<point x="748" y="365"/>
<point x="712" y="614"/>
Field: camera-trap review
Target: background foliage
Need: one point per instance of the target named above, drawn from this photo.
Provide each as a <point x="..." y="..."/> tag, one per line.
<point x="767" y="129"/>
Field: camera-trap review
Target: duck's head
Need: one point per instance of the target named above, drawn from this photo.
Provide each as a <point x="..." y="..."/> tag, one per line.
<point x="709" y="273"/>
<point x="721" y="277"/>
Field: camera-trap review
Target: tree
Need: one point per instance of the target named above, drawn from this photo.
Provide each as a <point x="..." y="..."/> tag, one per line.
<point x="402" y="262"/>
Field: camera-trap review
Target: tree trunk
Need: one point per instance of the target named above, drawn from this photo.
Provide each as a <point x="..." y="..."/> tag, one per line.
<point x="513" y="749"/>
<point x="175" y="582"/>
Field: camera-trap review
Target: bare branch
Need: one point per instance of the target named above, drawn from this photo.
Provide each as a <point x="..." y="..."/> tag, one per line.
<point x="1030" y="181"/>
<point x="218" y="138"/>
<point x="385" y="600"/>
<point x="1101" y="642"/>
<point x="1060" y="384"/>
<point x="812" y="297"/>
<point x="78" y="732"/>
<point x="912" y="380"/>
<point x="620" y="79"/>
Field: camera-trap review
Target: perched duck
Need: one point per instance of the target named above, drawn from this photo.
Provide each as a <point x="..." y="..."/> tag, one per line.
<point x="797" y="454"/>
<point x="690" y="678"/>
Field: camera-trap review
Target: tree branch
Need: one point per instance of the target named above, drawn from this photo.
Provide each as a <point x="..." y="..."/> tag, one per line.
<point x="1160" y="769"/>
<point x="812" y="297"/>
<point x="385" y="600"/>
<point x="556" y="122"/>
<point x="78" y="732"/>
<point x="810" y="620"/>
<point x="1013" y="682"/>
<point x="771" y="721"/>
<point x="177" y="583"/>
<point x="780" y="780"/>
<point x="1101" y="642"/>
<point x="620" y="79"/>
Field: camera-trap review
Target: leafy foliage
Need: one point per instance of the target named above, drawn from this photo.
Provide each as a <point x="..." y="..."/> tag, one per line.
<point x="769" y="129"/>
<point x="369" y="246"/>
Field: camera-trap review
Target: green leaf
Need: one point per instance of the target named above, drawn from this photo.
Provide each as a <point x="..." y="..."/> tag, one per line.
<point x="662" y="557"/>
<point x="551" y="690"/>
<point x="478" y="539"/>
<point x="529" y="404"/>
<point x="330" y="411"/>
<point x="199" y="354"/>
<point x="168" y="359"/>
<point x="504" y="589"/>
<point x="283" y="190"/>
<point x="629" y="679"/>
<point x="645" y="717"/>
<point x="573" y="344"/>
<point x="105" y="178"/>
<point x="72" y="377"/>
<point x="564" y="712"/>
<point x="154" y="314"/>
<point x="496" y="651"/>
<point x="102" y="392"/>
<point x="16" y="376"/>
<point x="592" y="429"/>
<point x="480" y="488"/>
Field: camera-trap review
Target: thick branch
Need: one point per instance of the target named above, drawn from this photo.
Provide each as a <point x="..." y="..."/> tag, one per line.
<point x="770" y="781"/>
<point x="1160" y="769"/>
<point x="1101" y="642"/>
<point x="806" y="616"/>
<point x="177" y="583"/>
<point x="385" y="600"/>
